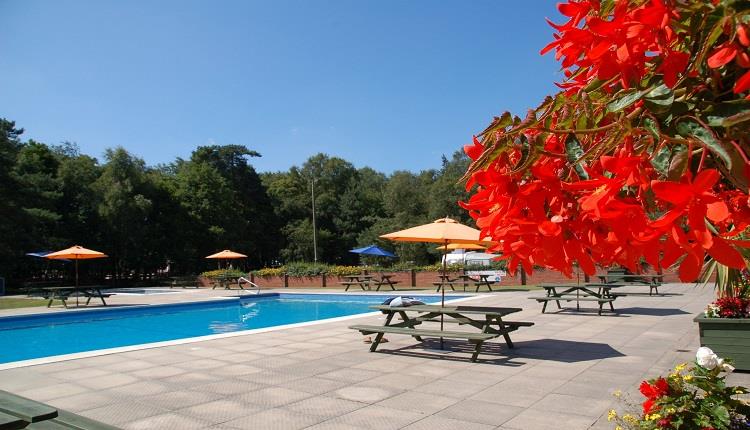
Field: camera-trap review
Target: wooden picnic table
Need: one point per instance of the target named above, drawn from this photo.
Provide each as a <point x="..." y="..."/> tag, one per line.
<point x="383" y="280"/>
<point x="617" y="277"/>
<point x="63" y="293"/>
<point x="446" y="281"/>
<point x="483" y="281"/>
<point x="600" y="293"/>
<point x="362" y="281"/>
<point x="226" y="282"/>
<point x="487" y="320"/>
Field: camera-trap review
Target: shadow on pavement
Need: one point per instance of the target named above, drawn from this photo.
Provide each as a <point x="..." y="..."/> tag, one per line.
<point x="658" y="312"/>
<point x="566" y="351"/>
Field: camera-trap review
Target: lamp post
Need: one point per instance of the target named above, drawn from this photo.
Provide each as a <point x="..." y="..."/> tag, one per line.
<point x="315" y="238"/>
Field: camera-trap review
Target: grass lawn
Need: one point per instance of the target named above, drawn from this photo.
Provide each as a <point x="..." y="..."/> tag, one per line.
<point x="14" y="303"/>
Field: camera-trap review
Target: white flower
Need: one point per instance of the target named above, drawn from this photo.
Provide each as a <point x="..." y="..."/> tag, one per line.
<point x="707" y="359"/>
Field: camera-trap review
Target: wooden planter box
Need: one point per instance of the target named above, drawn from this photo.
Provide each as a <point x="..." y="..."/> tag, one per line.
<point x="727" y="337"/>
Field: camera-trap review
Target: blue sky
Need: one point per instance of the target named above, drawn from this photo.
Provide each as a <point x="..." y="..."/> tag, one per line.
<point x="388" y="84"/>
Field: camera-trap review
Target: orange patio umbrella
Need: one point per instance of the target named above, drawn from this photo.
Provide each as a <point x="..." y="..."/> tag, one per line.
<point x="76" y="253"/>
<point x="454" y="246"/>
<point x="227" y="255"/>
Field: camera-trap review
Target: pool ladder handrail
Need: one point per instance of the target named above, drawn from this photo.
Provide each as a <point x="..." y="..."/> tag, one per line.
<point x="242" y="278"/>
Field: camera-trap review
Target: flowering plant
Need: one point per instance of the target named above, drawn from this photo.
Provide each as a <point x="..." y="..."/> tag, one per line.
<point x="689" y="398"/>
<point x="644" y="154"/>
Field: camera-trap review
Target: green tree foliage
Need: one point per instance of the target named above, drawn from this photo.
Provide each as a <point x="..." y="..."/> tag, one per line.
<point x="150" y="218"/>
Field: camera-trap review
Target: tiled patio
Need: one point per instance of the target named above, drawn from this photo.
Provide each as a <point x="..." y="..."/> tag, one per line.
<point x="561" y="374"/>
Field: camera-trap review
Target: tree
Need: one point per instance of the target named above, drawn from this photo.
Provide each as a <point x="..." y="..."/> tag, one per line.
<point x="643" y="155"/>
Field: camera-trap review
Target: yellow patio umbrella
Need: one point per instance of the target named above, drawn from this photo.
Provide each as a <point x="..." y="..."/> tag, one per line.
<point x="445" y="231"/>
<point x="76" y="253"/>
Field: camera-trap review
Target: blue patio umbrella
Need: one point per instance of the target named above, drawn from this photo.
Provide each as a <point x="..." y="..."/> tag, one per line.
<point x="373" y="250"/>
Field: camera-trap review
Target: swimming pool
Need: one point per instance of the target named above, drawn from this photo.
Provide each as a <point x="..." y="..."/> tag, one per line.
<point x="45" y="335"/>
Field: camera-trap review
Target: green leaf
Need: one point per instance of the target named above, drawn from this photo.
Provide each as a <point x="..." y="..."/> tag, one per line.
<point x="625" y="101"/>
<point x="661" y="160"/>
<point x="574" y="152"/>
<point x="719" y="113"/>
<point x="677" y="166"/>
<point x="736" y="119"/>
<point x="660" y="99"/>
<point x="693" y="129"/>
<point x="722" y="414"/>
<point x="653" y="128"/>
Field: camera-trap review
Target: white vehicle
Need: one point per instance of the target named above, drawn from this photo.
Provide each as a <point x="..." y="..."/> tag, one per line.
<point x="470" y="258"/>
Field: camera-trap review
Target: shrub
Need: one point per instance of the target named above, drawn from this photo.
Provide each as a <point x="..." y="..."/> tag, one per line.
<point x="349" y="270"/>
<point x="269" y="271"/>
<point x="223" y="272"/>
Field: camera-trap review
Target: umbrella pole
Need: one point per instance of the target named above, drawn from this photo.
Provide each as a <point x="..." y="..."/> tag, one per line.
<point x="76" y="282"/>
<point x="442" y="290"/>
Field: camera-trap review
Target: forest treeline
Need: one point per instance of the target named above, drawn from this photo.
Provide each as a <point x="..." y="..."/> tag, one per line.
<point x="149" y="217"/>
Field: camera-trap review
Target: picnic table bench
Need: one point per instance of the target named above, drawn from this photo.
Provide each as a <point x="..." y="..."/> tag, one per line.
<point x="63" y="293"/>
<point x="490" y="323"/>
<point x="625" y="278"/>
<point x="18" y="412"/>
<point x="578" y="293"/>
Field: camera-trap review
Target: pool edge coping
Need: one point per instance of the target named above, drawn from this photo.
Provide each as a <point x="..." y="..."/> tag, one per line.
<point x="195" y="339"/>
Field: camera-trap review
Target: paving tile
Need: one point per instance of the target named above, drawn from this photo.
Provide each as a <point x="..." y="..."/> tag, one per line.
<point x="108" y="381"/>
<point x="219" y="411"/>
<point x="323" y="406"/>
<point x="443" y="423"/>
<point x="418" y="402"/>
<point x="84" y="401"/>
<point x="122" y="412"/>
<point x="43" y="394"/>
<point x="202" y="364"/>
<point x="138" y="389"/>
<point x="158" y="372"/>
<point x="229" y="370"/>
<point x="190" y="379"/>
<point x="532" y="419"/>
<point x="481" y="412"/>
<point x="327" y="425"/>
<point x="314" y="385"/>
<point x="271" y="397"/>
<point x="128" y="366"/>
<point x="168" y="421"/>
<point x="565" y="403"/>
<point x="82" y="373"/>
<point x="351" y="375"/>
<point x="180" y="399"/>
<point x="451" y="388"/>
<point x="364" y="394"/>
<point x="378" y="417"/>
<point x="230" y="387"/>
<point x="273" y="419"/>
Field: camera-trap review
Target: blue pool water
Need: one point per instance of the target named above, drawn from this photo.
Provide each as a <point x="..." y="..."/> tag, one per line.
<point x="36" y="336"/>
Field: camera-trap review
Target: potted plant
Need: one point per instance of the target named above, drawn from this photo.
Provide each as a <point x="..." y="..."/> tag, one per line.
<point x="690" y="398"/>
<point x="725" y="324"/>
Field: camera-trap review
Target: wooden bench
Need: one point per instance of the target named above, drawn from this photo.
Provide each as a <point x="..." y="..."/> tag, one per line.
<point x="440" y="285"/>
<point x="18" y="412"/>
<point x="476" y="338"/>
<point x="558" y="299"/>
